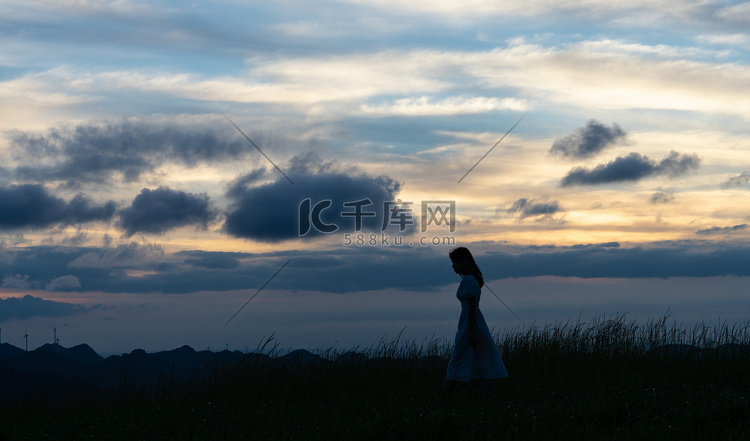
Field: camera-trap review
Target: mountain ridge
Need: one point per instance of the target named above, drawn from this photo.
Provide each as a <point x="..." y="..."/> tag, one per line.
<point x="54" y="370"/>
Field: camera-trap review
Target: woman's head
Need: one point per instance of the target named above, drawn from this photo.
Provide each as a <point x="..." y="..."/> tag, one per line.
<point x="463" y="263"/>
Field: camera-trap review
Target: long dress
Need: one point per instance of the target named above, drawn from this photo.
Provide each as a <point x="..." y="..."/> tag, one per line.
<point x="483" y="360"/>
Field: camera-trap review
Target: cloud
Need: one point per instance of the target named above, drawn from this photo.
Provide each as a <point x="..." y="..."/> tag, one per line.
<point x="725" y="39"/>
<point x="95" y="152"/>
<point x="16" y="282"/>
<point x="531" y="208"/>
<point x="588" y="74"/>
<point x="601" y="10"/>
<point x="131" y="255"/>
<point x="98" y="8"/>
<point x="33" y="95"/>
<point x="273" y="212"/>
<point x="588" y="141"/>
<point x="64" y="283"/>
<point x="583" y="246"/>
<point x="29" y="306"/>
<point x="424" y="106"/>
<point x="365" y="269"/>
<point x="633" y="167"/>
<point x="736" y="13"/>
<point x="722" y="230"/>
<point x="212" y="260"/>
<point x="737" y="181"/>
<point x="347" y="269"/>
<point x="603" y="74"/>
<point x="160" y="210"/>
<point x="662" y="197"/>
<point x="31" y="206"/>
<point x="656" y="260"/>
<point x="677" y="164"/>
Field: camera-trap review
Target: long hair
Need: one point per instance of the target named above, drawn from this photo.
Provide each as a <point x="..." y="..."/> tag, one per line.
<point x="464" y="257"/>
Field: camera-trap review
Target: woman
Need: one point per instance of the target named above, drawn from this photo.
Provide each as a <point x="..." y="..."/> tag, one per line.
<point x="475" y="354"/>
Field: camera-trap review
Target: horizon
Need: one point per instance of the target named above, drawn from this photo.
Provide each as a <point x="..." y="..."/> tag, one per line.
<point x="702" y="335"/>
<point x="161" y="163"/>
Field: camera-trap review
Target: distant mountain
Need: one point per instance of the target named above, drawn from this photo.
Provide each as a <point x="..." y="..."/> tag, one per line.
<point x="82" y="353"/>
<point x="55" y="371"/>
<point x="8" y="350"/>
<point x="186" y="358"/>
<point x="301" y="359"/>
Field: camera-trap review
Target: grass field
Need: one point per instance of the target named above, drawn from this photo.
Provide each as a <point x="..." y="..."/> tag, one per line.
<point x="608" y="379"/>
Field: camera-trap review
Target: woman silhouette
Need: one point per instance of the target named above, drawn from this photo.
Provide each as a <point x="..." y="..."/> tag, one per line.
<point x="475" y="354"/>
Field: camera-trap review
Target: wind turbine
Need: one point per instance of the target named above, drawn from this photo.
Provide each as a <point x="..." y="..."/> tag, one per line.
<point x="26" y="337"/>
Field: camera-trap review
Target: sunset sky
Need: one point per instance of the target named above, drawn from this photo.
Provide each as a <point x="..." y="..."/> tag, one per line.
<point x="133" y="214"/>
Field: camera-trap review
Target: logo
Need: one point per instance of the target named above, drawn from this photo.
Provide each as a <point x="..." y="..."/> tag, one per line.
<point x="395" y="215"/>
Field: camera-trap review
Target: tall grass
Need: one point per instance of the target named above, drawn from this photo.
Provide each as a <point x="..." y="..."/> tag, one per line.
<point x="616" y="336"/>
<point x="609" y="378"/>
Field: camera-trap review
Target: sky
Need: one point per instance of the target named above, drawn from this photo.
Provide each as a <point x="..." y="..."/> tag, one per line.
<point x="165" y="162"/>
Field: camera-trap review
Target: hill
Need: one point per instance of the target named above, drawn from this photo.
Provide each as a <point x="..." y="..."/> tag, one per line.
<point x="607" y="379"/>
<point x="57" y="371"/>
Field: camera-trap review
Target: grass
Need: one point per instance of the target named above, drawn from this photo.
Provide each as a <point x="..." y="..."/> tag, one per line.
<point x="608" y="379"/>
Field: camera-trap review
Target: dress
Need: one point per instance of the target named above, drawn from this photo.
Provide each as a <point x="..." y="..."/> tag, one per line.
<point x="483" y="360"/>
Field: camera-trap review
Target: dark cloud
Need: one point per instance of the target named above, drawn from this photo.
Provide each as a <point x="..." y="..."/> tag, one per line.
<point x="272" y="212"/>
<point x="662" y="197"/>
<point x="130" y="255"/>
<point x="32" y="206"/>
<point x="677" y="164"/>
<point x="587" y="141"/>
<point x="94" y="269"/>
<point x="243" y="182"/>
<point x="531" y="208"/>
<point x="582" y="246"/>
<point x="737" y="181"/>
<point x="96" y="152"/>
<point x="355" y="268"/>
<point x="28" y="306"/>
<point x="419" y="268"/>
<point x="158" y="211"/>
<point x="636" y="262"/>
<point x="212" y="259"/>
<point x="631" y="168"/>
<point x="91" y="268"/>
<point x="721" y="230"/>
